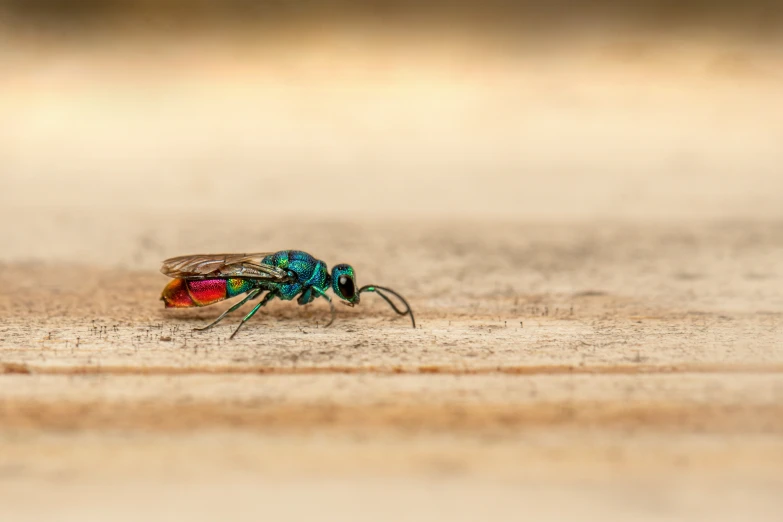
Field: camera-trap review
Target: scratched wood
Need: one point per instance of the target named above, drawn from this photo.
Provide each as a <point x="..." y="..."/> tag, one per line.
<point x="587" y="222"/>
<point x="632" y="370"/>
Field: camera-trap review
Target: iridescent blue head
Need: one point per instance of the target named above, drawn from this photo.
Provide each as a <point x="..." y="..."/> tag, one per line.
<point x="344" y="284"/>
<point x="344" y="287"/>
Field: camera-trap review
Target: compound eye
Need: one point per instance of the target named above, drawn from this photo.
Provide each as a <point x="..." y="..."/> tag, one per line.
<point x="345" y="285"/>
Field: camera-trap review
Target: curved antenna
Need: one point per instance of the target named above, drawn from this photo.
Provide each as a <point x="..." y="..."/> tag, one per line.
<point x="377" y="290"/>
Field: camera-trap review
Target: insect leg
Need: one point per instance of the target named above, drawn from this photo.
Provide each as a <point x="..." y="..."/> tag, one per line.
<point x="268" y="297"/>
<point x="250" y="295"/>
<point x="331" y="305"/>
<point x="306" y="296"/>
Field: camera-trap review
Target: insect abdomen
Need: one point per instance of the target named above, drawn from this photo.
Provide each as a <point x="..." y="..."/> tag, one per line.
<point x="184" y="293"/>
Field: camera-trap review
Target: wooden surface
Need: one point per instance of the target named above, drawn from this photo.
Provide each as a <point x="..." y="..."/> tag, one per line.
<point x="586" y="219"/>
<point x="616" y="370"/>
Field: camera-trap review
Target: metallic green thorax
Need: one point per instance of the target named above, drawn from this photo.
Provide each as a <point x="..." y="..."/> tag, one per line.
<point x="310" y="274"/>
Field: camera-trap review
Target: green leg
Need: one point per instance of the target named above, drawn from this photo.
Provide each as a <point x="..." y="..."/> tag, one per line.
<point x="331" y="305"/>
<point x="250" y="295"/>
<point x="268" y="297"/>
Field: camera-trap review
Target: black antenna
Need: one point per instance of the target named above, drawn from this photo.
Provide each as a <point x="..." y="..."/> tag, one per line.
<point x="377" y="290"/>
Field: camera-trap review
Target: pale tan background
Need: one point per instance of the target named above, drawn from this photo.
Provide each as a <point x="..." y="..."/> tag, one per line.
<point x="582" y="203"/>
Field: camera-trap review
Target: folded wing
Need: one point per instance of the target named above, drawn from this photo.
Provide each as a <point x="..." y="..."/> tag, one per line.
<point x="224" y="266"/>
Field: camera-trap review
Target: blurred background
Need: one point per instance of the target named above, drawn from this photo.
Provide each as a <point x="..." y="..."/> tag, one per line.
<point x="582" y="201"/>
<point x="559" y="110"/>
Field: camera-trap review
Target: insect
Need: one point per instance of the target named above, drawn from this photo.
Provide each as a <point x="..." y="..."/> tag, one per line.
<point x="201" y="280"/>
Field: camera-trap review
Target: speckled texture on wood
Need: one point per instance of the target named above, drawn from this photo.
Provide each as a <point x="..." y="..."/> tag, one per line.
<point x="585" y="215"/>
<point x="631" y="362"/>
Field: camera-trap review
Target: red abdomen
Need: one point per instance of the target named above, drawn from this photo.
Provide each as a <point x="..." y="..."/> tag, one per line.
<point x="180" y="293"/>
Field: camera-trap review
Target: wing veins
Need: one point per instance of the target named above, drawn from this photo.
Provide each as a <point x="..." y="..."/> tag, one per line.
<point x="224" y="266"/>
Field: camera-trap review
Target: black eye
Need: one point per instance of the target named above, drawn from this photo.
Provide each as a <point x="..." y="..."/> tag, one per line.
<point x="345" y="284"/>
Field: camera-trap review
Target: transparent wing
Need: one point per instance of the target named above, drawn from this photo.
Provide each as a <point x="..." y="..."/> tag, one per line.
<point x="247" y="266"/>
